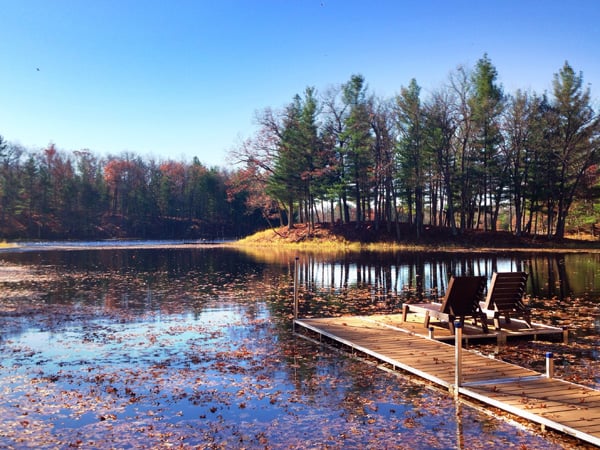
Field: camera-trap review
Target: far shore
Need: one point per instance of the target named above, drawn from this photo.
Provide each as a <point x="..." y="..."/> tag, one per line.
<point x="348" y="238"/>
<point x="343" y="238"/>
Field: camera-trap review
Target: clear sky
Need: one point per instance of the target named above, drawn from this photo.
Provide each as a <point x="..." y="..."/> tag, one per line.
<point x="174" y="79"/>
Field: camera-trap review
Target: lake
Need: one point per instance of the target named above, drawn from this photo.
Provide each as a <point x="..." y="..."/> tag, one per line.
<point x="162" y="344"/>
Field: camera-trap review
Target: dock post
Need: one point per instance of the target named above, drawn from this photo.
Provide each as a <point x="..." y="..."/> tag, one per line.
<point x="501" y="339"/>
<point x="430" y="332"/>
<point x="565" y="335"/>
<point x="295" y="291"/>
<point x="549" y="365"/>
<point x="458" y="356"/>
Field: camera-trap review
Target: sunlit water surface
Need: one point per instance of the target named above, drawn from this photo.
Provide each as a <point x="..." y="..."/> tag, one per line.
<point x="159" y="347"/>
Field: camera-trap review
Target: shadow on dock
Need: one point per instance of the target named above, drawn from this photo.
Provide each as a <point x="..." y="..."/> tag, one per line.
<point x="441" y="331"/>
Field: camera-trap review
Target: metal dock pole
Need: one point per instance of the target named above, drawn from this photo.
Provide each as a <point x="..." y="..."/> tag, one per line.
<point x="295" y="292"/>
<point x="458" y="356"/>
<point x="549" y="365"/>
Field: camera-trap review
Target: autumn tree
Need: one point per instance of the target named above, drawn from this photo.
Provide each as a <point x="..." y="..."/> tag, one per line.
<point x="246" y="186"/>
<point x="10" y="159"/>
<point x="59" y="186"/>
<point x="523" y="147"/>
<point x="172" y="184"/>
<point x="128" y="186"/>
<point x="440" y="132"/>
<point x="384" y="170"/>
<point x="465" y="157"/>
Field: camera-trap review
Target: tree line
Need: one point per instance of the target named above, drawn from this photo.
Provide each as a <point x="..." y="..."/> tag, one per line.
<point x="468" y="156"/>
<point x="49" y="194"/>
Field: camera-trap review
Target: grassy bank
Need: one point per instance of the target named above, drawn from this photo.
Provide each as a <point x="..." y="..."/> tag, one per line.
<point x="349" y="237"/>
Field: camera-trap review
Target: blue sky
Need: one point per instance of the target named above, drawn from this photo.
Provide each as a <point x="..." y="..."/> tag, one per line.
<point x="174" y="79"/>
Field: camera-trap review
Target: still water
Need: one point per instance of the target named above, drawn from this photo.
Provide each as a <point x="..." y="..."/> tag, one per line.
<point x="150" y="345"/>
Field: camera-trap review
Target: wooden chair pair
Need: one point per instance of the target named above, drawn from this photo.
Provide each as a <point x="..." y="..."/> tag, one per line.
<point x="465" y="299"/>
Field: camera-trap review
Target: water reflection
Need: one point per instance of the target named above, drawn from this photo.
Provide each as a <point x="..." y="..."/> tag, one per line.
<point x="196" y="344"/>
<point x="551" y="275"/>
<point x="203" y="270"/>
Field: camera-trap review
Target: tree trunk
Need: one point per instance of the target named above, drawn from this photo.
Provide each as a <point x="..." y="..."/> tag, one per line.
<point x="332" y="206"/>
<point x="291" y="215"/>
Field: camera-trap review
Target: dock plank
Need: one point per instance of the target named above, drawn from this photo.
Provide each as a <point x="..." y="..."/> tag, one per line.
<point x="554" y="403"/>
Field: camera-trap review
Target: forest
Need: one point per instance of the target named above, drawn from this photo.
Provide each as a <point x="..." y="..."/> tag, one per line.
<point x="52" y="194"/>
<point x="468" y="156"/>
<point x="465" y="156"/>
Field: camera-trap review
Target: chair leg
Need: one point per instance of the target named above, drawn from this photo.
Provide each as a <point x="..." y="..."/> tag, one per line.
<point x="427" y="318"/>
<point x="497" y="321"/>
<point x="405" y="308"/>
<point x="484" y="324"/>
<point x="451" y="320"/>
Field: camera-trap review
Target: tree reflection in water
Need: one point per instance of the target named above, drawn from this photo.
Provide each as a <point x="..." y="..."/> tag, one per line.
<point x="193" y="347"/>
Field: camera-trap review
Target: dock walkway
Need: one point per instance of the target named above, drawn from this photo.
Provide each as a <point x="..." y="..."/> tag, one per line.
<point x="550" y="402"/>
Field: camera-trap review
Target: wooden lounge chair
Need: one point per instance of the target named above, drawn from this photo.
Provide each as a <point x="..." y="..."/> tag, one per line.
<point x="505" y="297"/>
<point x="462" y="300"/>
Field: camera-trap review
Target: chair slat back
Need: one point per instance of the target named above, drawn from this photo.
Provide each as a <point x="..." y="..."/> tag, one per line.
<point x="463" y="295"/>
<point x="506" y="291"/>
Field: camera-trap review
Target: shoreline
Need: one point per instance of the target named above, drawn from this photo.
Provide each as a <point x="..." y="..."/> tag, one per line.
<point x="349" y="238"/>
<point x="310" y="247"/>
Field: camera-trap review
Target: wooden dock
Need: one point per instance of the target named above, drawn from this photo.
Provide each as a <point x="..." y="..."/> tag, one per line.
<point x="550" y="402"/>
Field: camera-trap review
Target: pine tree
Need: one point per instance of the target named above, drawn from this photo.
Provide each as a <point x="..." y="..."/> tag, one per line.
<point x="575" y="138"/>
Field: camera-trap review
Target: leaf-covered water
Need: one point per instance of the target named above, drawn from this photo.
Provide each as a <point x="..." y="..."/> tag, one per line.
<point x="191" y="351"/>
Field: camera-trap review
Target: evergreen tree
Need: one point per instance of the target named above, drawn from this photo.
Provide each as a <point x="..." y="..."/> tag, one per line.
<point x="575" y="138"/>
<point x="411" y="149"/>
<point x="358" y="139"/>
<point x="284" y="183"/>
<point x="486" y="106"/>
